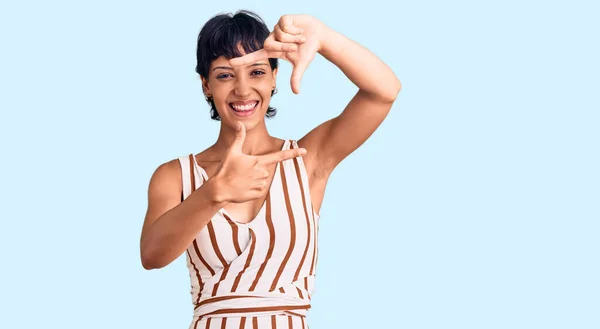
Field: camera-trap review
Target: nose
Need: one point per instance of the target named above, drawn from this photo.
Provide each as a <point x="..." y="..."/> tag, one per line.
<point x="242" y="87"/>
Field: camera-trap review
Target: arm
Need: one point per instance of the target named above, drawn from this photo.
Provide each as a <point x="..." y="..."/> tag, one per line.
<point x="297" y="38"/>
<point x="334" y="140"/>
<point x="170" y="225"/>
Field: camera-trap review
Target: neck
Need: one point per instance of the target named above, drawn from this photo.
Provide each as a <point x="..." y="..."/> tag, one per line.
<point x="258" y="140"/>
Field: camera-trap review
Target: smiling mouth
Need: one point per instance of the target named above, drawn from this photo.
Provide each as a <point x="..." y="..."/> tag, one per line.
<point x="243" y="108"/>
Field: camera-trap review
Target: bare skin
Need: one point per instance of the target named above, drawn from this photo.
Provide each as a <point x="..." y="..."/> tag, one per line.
<point x="241" y="163"/>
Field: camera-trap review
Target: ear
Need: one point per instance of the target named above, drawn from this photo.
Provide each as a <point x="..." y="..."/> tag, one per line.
<point x="275" y="76"/>
<point x="205" y="86"/>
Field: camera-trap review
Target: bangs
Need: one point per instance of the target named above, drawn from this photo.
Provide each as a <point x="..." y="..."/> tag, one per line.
<point x="225" y="41"/>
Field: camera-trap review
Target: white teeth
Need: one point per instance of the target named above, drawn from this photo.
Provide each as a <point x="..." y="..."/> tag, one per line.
<point x="242" y="108"/>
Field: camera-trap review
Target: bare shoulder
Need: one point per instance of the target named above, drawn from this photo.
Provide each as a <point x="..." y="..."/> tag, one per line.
<point x="164" y="191"/>
<point x="165" y="185"/>
<point x="168" y="173"/>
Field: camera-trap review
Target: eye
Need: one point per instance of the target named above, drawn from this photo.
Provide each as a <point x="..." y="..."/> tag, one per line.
<point x="223" y="76"/>
<point x="258" y="72"/>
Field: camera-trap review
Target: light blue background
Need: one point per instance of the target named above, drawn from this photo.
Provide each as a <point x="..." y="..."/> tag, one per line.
<point x="475" y="205"/>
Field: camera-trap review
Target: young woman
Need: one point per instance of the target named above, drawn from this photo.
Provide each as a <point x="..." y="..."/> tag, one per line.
<point x="245" y="210"/>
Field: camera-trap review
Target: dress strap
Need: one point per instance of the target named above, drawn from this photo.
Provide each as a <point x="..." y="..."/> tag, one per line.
<point x="188" y="180"/>
<point x="192" y="176"/>
<point x="304" y="176"/>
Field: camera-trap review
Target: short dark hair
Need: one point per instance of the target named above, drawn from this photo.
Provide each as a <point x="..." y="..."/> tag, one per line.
<point x="221" y="35"/>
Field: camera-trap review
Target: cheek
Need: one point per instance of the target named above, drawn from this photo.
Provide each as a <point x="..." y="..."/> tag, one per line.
<point x="267" y="89"/>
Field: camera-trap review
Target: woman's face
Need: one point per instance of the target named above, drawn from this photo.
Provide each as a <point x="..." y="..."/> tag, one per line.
<point x="242" y="93"/>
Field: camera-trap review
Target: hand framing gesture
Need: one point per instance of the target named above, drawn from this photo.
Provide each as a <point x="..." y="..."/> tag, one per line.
<point x="296" y="39"/>
<point x="245" y="177"/>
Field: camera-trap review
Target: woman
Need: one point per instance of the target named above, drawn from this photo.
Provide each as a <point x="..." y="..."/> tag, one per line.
<point x="245" y="210"/>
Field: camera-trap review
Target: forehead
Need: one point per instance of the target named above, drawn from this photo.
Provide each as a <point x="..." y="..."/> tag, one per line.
<point x="223" y="62"/>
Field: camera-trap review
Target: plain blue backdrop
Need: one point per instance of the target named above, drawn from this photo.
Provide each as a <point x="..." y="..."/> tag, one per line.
<point x="475" y="205"/>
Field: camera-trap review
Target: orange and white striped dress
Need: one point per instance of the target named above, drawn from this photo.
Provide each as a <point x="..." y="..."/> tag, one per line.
<point x="260" y="274"/>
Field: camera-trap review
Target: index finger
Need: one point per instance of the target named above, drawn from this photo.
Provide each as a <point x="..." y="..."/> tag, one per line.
<point x="250" y="58"/>
<point x="281" y="155"/>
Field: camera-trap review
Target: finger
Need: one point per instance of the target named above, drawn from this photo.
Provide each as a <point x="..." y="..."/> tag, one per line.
<point x="286" y="23"/>
<point x="276" y="46"/>
<point x="282" y="155"/>
<point x="282" y="36"/>
<point x="250" y="58"/>
<point x="240" y="137"/>
<point x="297" y="74"/>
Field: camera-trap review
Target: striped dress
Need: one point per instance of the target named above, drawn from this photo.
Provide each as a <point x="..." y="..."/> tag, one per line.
<point x="260" y="274"/>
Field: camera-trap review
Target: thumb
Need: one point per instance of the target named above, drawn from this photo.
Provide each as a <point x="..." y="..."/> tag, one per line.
<point x="240" y="137"/>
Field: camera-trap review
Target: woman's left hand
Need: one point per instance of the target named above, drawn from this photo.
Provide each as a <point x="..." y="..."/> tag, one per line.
<point x="296" y="39"/>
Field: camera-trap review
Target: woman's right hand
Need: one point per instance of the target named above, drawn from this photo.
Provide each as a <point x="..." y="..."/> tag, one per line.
<point x="243" y="177"/>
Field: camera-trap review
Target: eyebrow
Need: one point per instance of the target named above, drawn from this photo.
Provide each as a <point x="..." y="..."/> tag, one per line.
<point x="231" y="68"/>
